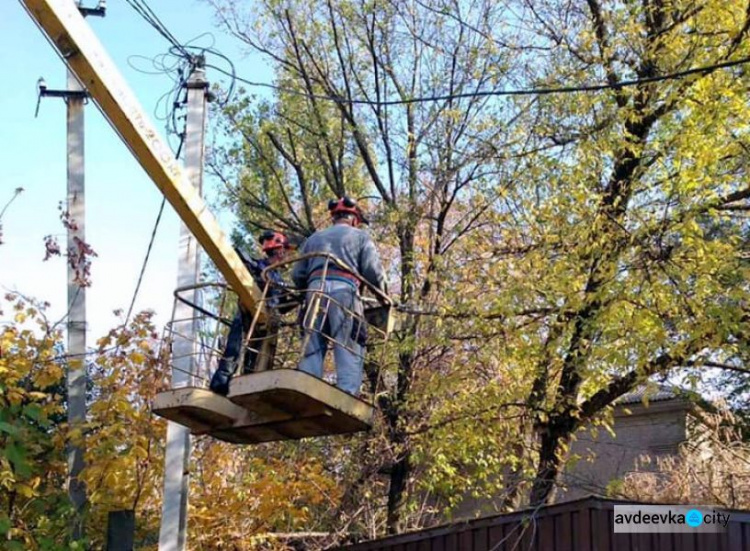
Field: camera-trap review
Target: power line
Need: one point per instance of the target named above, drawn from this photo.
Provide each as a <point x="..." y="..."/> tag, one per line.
<point x="170" y="102"/>
<point x="489" y="93"/>
<point x="181" y="50"/>
<point x="148" y="14"/>
<point x="16" y="193"/>
<point x="144" y="10"/>
<point x="173" y="102"/>
<point x="145" y="260"/>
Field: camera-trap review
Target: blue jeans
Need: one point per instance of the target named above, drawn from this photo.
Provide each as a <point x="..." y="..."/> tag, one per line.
<point x="228" y="363"/>
<point x="335" y="321"/>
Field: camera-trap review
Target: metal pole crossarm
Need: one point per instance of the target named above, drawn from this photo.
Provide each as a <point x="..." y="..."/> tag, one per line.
<point x="67" y="94"/>
<point x="98" y="11"/>
<point x="61" y="21"/>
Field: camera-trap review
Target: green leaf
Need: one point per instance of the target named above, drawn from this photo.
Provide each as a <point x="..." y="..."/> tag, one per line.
<point x="8" y="428"/>
<point x="35" y="413"/>
<point x="32" y="411"/>
<point x="17" y="456"/>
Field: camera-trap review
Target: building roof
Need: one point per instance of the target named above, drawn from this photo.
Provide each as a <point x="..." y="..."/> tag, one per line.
<point x="653" y="393"/>
<point x="656" y="393"/>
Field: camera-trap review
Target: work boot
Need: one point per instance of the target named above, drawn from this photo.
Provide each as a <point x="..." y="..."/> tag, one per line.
<point x="220" y="380"/>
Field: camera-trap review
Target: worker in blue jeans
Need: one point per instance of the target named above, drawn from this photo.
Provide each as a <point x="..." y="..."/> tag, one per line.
<point x="339" y="315"/>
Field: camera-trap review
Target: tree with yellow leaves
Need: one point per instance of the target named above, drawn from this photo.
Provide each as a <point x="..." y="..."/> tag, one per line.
<point x="34" y="507"/>
<point x="124" y="440"/>
<point x="241" y="497"/>
<point x="552" y="251"/>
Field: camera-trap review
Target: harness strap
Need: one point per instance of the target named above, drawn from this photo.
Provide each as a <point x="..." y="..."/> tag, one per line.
<point x="336" y="275"/>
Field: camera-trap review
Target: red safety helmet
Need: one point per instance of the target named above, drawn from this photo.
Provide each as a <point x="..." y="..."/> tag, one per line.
<point x="272" y="240"/>
<point x="346" y="205"/>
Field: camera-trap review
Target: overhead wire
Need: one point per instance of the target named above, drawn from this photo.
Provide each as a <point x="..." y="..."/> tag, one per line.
<point x="145" y="262"/>
<point x="489" y="93"/>
<point x="585" y="88"/>
<point x="156" y="223"/>
<point x="182" y="50"/>
<point x="178" y="62"/>
<point x="171" y="102"/>
<point x="144" y="10"/>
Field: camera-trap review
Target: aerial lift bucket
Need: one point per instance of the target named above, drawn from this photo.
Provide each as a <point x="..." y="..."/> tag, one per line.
<point x="278" y="402"/>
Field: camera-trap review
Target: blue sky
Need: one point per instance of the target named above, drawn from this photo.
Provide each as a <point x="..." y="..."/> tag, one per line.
<point x="121" y="201"/>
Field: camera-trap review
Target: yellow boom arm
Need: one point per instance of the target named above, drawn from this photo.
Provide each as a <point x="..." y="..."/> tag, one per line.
<point x="66" y="28"/>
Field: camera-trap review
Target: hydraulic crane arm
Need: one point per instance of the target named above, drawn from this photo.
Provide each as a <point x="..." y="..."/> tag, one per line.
<point x="66" y="28"/>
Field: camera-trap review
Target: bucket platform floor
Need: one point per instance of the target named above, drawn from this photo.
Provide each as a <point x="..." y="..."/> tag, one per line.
<point x="281" y="404"/>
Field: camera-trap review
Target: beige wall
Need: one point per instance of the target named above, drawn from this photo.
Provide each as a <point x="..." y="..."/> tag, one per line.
<point x="656" y="430"/>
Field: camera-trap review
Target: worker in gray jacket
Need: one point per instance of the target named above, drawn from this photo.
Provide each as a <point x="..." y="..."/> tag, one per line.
<point x="340" y="303"/>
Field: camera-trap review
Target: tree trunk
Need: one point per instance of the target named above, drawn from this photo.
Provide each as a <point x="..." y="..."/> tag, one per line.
<point x="397" y="491"/>
<point x="548" y="469"/>
<point x="402" y="466"/>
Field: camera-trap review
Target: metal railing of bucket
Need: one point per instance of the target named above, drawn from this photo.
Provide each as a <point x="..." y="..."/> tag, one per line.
<point x="279" y="341"/>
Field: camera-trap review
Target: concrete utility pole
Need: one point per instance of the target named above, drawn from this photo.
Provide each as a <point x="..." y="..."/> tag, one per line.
<point x="76" y="379"/>
<point x="75" y="97"/>
<point x="173" y="528"/>
<point x="76" y="206"/>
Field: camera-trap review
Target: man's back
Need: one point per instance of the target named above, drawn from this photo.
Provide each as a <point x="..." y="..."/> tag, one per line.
<point x="351" y="245"/>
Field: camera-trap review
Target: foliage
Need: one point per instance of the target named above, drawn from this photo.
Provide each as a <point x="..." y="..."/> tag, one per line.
<point x="733" y="385"/>
<point x="124" y="440"/>
<point x="33" y="502"/>
<point x="242" y="498"/>
<point x="551" y="252"/>
<point x="79" y="253"/>
<point x="611" y="241"/>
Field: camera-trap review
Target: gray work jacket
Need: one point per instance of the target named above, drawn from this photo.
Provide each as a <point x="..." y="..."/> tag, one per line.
<point x="351" y="245"/>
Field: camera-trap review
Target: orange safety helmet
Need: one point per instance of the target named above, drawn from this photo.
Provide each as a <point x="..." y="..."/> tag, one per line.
<point x="346" y="205"/>
<point x="272" y="240"/>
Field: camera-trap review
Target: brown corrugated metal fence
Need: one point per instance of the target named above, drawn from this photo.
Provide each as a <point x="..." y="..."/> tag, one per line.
<point x="583" y="525"/>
